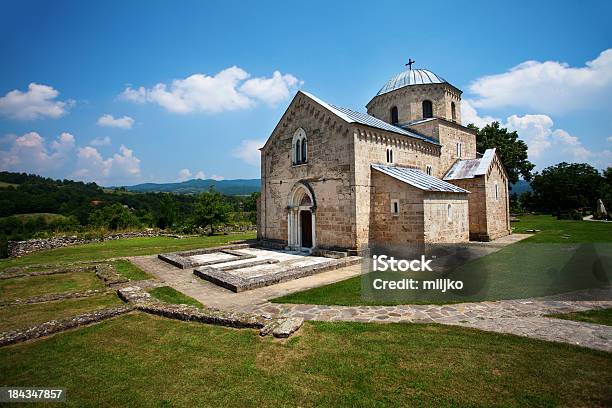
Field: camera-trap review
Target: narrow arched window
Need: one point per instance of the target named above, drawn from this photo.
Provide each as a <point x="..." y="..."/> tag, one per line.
<point x="304" y="151"/>
<point x="449" y="211"/>
<point x="389" y="155"/>
<point x="427" y="109"/>
<point x="394" y="115"/>
<point x="453" y="112"/>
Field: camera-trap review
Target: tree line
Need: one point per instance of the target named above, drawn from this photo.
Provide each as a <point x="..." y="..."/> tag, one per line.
<point x="72" y="206"/>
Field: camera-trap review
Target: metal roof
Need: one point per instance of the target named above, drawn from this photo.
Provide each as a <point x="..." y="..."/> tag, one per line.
<point x="411" y="77"/>
<point x="351" y="116"/>
<point x="418" y="179"/>
<point x="470" y="168"/>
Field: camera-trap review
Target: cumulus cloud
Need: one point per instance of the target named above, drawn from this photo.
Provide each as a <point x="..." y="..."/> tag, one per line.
<point x="38" y="101"/>
<point x="184" y="174"/>
<point x="101" y="141"/>
<point x="248" y="151"/>
<point x="216" y="177"/>
<point x="548" y="145"/>
<point x="124" y="122"/>
<point x="32" y="153"/>
<point x="200" y="175"/>
<point x="470" y="115"/>
<point x="228" y="90"/>
<point x="120" y="167"/>
<point x="549" y="86"/>
<point x="270" y="90"/>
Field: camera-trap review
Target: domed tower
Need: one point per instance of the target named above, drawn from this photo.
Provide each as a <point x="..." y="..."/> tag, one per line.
<point x="416" y="94"/>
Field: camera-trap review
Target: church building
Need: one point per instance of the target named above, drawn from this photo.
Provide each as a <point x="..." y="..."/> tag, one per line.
<point x="405" y="172"/>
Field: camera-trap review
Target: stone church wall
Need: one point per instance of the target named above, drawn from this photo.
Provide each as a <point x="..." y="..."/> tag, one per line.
<point x="371" y="147"/>
<point x="498" y="221"/>
<point x="439" y="225"/>
<point x="409" y="102"/>
<point x="477" y="206"/>
<point x="328" y="172"/>
<point x="387" y="229"/>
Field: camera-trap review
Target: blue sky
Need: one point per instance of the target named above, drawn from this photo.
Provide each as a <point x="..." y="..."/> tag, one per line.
<point x="207" y="81"/>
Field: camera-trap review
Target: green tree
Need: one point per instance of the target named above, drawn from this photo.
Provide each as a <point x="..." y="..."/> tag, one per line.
<point x="511" y="150"/>
<point x="167" y="211"/>
<point x="250" y="206"/>
<point x="210" y="210"/>
<point x="114" y="216"/>
<point x="605" y="190"/>
<point x="565" y="187"/>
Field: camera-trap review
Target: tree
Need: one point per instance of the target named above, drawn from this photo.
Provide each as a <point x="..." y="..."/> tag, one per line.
<point x="605" y="190"/>
<point x="511" y="150"/>
<point x="114" y="216"/>
<point x="210" y="210"/>
<point x="167" y="211"/>
<point x="565" y="187"/>
<point x="250" y="206"/>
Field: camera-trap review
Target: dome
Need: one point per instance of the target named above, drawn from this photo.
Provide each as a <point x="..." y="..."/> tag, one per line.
<point x="411" y="77"/>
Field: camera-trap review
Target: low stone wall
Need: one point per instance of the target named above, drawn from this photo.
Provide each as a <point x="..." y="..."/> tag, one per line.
<point x="49" y="297"/>
<point x="56" y="326"/>
<point x="143" y="301"/>
<point x="21" y="248"/>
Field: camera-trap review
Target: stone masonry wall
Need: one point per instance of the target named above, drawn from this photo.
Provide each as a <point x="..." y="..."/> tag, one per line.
<point x="439" y="227"/>
<point x="387" y="229"/>
<point x="498" y="210"/>
<point x="328" y="172"/>
<point x="21" y="248"/>
<point x="371" y="147"/>
<point x="409" y="102"/>
<point x="477" y="206"/>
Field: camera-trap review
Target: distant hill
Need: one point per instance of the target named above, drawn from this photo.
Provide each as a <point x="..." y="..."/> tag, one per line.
<point x="227" y="187"/>
<point x="520" y="187"/>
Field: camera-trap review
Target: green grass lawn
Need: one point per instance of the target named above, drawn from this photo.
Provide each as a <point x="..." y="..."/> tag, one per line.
<point x="130" y="271"/>
<point x="39" y="285"/>
<point x="543" y="264"/>
<point x="121" y="248"/>
<point x="170" y="295"/>
<point x="15" y="317"/>
<point x="142" y="360"/>
<point x="599" y="316"/>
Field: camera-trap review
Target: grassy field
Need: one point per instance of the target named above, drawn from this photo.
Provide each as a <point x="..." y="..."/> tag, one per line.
<point x="141" y="360"/>
<point x="600" y="316"/>
<point x="39" y="285"/>
<point x="171" y="295"/>
<point x="121" y="248"/>
<point x="15" y="317"/>
<point x="543" y="264"/>
<point x="130" y="271"/>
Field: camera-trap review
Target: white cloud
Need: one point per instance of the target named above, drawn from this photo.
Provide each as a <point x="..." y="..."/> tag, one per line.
<point x="124" y="122"/>
<point x="248" y="151"/>
<point x="31" y="153"/>
<point x="271" y="90"/>
<point x="120" y="167"/>
<point x="200" y="175"/>
<point x="549" y="86"/>
<point x="470" y="115"/>
<point x="37" y="102"/>
<point x="217" y="177"/>
<point x="184" y="174"/>
<point x="548" y="145"/>
<point x="228" y="90"/>
<point x="101" y="141"/>
<point x="609" y="139"/>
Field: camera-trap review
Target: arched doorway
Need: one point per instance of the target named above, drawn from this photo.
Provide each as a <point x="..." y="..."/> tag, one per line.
<point x="301" y="218"/>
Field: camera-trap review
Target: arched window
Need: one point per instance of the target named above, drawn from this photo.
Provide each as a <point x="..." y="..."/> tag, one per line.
<point x="449" y="211"/>
<point x="394" y="115"/>
<point x="304" y="151"/>
<point x="389" y="155"/>
<point x="300" y="147"/>
<point x="453" y="112"/>
<point x="427" y="109"/>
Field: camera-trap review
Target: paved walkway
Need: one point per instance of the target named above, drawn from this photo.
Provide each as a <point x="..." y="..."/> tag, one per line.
<point x="524" y="317"/>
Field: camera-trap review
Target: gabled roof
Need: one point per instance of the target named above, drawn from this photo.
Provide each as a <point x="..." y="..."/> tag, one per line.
<point x="351" y="116"/>
<point x="464" y="169"/>
<point x="418" y="179"/>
